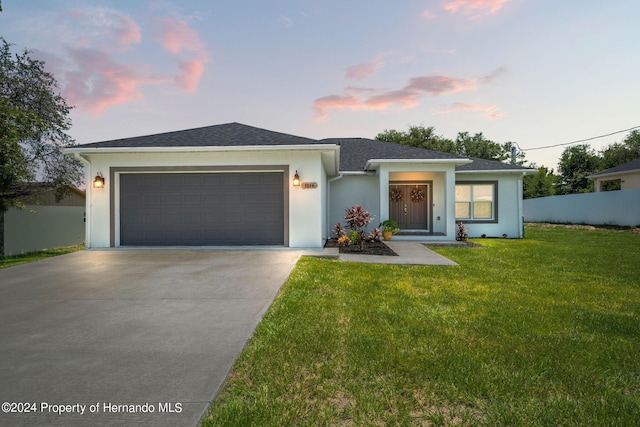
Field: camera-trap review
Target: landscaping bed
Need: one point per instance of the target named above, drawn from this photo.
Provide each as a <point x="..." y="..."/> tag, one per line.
<point x="370" y="248"/>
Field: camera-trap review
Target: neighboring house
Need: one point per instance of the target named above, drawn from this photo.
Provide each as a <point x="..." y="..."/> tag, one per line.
<point x="628" y="175"/>
<point x="44" y="222"/>
<point x="234" y="184"/>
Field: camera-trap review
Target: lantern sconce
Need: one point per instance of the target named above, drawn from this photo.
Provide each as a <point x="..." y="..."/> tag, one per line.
<point x="296" y="180"/>
<point x="98" y="182"/>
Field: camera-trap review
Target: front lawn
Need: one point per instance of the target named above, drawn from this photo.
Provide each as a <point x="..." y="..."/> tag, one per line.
<point x="543" y="331"/>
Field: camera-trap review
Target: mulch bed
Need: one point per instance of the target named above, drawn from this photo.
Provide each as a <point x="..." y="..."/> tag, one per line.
<point x="370" y="248"/>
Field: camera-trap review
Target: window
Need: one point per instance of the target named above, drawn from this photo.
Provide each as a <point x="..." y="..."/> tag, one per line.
<point x="476" y="201"/>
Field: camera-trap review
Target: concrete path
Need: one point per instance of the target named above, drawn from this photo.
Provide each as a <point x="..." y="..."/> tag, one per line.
<point x="130" y="337"/>
<point x="409" y="253"/>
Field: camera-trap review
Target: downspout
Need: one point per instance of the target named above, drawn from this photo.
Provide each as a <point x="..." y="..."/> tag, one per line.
<point x="329" y="182"/>
<point x="88" y="202"/>
<point x="521" y="205"/>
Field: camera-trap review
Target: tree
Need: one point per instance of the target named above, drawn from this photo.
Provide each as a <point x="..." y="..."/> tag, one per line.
<point x="33" y="125"/>
<point x="419" y="136"/>
<point x="540" y="184"/>
<point x="576" y="164"/>
<point x="617" y="154"/>
<point x="480" y="147"/>
<point x="464" y="145"/>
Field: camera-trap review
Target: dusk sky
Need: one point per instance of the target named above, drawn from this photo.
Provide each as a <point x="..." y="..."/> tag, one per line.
<point x="536" y="72"/>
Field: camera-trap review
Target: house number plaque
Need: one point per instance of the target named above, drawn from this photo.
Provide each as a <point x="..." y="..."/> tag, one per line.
<point x="309" y="185"/>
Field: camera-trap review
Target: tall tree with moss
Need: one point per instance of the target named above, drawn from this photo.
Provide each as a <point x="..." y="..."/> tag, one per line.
<point x="34" y="120"/>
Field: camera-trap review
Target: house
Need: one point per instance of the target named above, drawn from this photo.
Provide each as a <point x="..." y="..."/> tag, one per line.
<point x="234" y="184"/>
<point x="45" y="222"/>
<point x="628" y="175"/>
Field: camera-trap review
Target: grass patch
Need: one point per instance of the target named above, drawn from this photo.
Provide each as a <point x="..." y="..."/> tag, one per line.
<point x="539" y="332"/>
<point x="13" y="260"/>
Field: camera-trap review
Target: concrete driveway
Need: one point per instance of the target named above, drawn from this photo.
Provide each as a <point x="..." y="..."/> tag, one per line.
<point x="129" y="337"/>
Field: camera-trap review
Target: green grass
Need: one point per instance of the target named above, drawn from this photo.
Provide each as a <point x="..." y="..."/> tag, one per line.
<point x="543" y="331"/>
<point x="10" y="261"/>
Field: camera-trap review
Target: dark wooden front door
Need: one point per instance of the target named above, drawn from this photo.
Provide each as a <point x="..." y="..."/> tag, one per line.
<point x="409" y="205"/>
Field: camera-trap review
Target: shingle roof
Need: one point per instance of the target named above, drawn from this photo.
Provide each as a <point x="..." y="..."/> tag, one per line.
<point x="489" y="165"/>
<point x="230" y="134"/>
<point x="356" y="152"/>
<point x="627" y="167"/>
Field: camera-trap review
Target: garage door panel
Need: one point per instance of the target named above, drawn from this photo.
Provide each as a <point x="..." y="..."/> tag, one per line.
<point x="202" y="208"/>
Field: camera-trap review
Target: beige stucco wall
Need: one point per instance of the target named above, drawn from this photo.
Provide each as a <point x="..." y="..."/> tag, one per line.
<point x="306" y="218"/>
<point x="628" y="180"/>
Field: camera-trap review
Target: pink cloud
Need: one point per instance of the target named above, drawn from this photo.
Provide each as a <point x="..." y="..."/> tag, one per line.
<point x="94" y="76"/>
<point x="105" y="26"/>
<point x="190" y="73"/>
<point x="335" y="102"/>
<point x="176" y="36"/>
<point x="364" y="70"/>
<point x="357" y="99"/>
<point x="474" y="8"/>
<point x="130" y="32"/>
<point x="97" y="82"/>
<point x="429" y="15"/>
<point x="489" y="111"/>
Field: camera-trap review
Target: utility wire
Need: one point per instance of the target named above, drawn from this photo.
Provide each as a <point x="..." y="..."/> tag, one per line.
<point x="580" y="140"/>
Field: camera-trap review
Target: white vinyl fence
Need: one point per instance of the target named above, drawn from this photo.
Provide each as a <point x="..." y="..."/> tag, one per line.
<point x="609" y="207"/>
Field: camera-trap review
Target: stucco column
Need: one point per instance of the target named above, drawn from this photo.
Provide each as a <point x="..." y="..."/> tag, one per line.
<point x="384" y="194"/>
<point x="450" y="203"/>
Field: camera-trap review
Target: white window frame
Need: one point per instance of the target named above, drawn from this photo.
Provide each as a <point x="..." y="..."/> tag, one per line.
<point x="494" y="204"/>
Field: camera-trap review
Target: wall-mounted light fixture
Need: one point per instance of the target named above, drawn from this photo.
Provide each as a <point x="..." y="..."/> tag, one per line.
<point x="98" y="182"/>
<point x="296" y="180"/>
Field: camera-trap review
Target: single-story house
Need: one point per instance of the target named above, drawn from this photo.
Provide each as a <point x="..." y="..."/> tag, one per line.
<point x="45" y="222"/>
<point x="234" y="184"/>
<point x="627" y="174"/>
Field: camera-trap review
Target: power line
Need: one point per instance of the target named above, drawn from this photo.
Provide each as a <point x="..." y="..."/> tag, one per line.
<point x="580" y="140"/>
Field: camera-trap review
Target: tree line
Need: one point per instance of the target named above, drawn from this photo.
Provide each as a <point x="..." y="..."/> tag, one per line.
<point x="575" y="165"/>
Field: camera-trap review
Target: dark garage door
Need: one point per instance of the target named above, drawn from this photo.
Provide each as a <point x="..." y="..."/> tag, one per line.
<point x="196" y="209"/>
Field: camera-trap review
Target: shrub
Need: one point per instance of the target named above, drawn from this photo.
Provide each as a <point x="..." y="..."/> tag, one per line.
<point x="462" y="235"/>
<point x="357" y="221"/>
<point x="344" y="240"/>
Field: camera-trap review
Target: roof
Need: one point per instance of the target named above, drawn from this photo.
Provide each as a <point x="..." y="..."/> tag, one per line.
<point x="225" y="135"/>
<point x="484" y="165"/>
<point x="632" y="166"/>
<point x="355" y="153"/>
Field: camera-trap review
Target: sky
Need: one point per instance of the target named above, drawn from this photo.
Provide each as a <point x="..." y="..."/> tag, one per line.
<point x="534" y="72"/>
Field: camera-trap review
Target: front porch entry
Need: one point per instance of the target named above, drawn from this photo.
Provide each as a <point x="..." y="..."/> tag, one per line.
<point x="411" y="205"/>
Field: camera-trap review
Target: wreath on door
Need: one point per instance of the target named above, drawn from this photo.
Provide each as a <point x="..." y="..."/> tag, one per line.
<point x="417" y="195"/>
<point x="396" y="195"/>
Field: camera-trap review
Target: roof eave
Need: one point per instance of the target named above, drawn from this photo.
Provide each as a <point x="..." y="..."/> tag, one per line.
<point x="613" y="174"/>
<point x="456" y="162"/>
<point x="173" y="149"/>
<point x="514" y="171"/>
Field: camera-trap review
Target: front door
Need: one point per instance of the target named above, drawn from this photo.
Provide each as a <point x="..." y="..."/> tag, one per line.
<point x="410" y="204"/>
